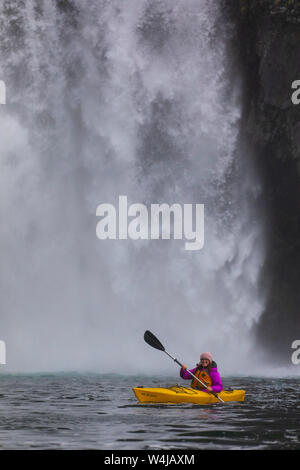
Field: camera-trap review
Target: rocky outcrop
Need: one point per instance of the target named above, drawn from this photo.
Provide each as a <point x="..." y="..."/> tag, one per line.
<point x="268" y="39"/>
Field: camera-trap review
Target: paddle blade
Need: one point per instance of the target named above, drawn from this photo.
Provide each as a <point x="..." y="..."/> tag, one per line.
<point x="153" y="341"/>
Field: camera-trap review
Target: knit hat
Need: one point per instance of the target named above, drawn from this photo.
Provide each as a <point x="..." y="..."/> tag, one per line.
<point x="206" y="355"/>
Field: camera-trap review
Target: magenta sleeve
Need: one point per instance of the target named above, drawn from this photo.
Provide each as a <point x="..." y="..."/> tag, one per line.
<point x="216" y="382"/>
<point x="184" y="374"/>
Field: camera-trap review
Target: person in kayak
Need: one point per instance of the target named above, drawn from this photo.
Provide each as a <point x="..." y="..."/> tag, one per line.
<point x="207" y="372"/>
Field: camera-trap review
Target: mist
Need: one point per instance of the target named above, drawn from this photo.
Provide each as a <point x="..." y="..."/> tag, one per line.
<point x="128" y="98"/>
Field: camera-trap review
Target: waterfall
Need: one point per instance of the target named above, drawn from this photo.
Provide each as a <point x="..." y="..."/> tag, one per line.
<point x="132" y="98"/>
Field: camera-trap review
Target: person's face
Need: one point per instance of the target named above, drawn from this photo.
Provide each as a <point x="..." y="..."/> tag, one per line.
<point x="204" y="362"/>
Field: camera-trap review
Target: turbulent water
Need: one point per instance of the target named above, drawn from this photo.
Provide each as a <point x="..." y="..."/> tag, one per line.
<point x="109" y="98"/>
<point x="101" y="412"/>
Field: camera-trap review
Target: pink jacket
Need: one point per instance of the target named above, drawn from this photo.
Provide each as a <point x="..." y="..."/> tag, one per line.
<point x="214" y="374"/>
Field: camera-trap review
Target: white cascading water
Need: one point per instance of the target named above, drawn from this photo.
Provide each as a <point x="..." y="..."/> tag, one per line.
<point x="109" y="98"/>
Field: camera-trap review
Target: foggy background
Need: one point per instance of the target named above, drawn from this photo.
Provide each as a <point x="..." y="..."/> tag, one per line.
<point x="136" y="98"/>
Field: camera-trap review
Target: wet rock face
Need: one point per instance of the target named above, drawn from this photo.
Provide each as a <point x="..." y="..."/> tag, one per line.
<point x="268" y="38"/>
<point x="269" y="35"/>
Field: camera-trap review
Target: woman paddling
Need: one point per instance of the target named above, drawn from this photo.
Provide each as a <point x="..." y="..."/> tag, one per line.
<point x="207" y="372"/>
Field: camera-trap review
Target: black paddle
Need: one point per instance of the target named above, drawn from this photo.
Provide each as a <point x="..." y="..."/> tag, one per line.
<point x="151" y="339"/>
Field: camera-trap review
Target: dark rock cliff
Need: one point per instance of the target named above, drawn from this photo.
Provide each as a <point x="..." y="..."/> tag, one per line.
<point x="267" y="42"/>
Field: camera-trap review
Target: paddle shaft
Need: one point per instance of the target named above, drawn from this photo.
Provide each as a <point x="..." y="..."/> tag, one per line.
<point x="204" y="385"/>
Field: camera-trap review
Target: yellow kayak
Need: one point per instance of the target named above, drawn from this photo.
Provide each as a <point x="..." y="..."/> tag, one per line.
<point x="179" y="394"/>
